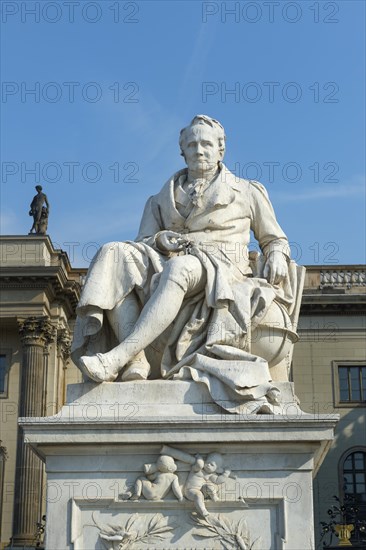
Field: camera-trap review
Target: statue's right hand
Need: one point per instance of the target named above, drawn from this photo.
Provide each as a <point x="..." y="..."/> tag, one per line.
<point x="170" y="241"/>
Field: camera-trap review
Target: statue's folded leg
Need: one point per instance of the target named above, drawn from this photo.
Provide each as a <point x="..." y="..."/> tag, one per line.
<point x="116" y="271"/>
<point x="179" y="277"/>
<point x="156" y="316"/>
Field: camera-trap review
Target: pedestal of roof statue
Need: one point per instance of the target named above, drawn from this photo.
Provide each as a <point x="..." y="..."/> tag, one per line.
<point x="96" y="447"/>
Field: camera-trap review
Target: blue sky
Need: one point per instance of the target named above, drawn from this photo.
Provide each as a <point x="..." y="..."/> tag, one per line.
<point x="115" y="81"/>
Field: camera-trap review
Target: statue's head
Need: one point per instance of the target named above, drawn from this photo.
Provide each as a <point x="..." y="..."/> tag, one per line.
<point x="166" y="464"/>
<point x="202" y="143"/>
<point x="39" y="188"/>
<point x="214" y="463"/>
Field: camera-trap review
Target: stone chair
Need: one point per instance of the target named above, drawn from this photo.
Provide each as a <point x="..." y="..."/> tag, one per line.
<point x="275" y="336"/>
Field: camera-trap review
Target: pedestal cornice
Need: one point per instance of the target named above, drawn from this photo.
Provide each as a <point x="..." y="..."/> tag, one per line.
<point x="113" y="414"/>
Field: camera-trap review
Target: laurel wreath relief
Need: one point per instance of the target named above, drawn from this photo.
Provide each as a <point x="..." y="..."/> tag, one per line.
<point x="231" y="535"/>
<point x="137" y="529"/>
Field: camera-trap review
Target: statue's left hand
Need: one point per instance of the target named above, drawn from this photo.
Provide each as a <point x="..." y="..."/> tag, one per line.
<point x="170" y="241"/>
<point x="275" y="269"/>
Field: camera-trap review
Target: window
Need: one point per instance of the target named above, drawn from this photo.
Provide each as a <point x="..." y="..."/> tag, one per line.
<point x="354" y="476"/>
<point x="352" y="383"/>
<point x="352" y="485"/>
<point x="349" y="383"/>
<point x="4" y="374"/>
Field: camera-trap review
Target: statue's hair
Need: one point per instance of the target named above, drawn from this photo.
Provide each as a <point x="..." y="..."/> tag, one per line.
<point x="204" y="119"/>
<point x="38" y="187"/>
<point x="218" y="459"/>
<point x="167" y="462"/>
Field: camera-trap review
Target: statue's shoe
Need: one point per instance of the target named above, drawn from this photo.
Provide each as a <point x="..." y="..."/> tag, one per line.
<point x="98" y="368"/>
<point x="136" y="370"/>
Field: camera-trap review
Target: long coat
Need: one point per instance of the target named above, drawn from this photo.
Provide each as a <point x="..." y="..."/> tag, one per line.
<point x="208" y="342"/>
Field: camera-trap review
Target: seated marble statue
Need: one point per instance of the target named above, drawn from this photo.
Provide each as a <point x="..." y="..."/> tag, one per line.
<point x="179" y="301"/>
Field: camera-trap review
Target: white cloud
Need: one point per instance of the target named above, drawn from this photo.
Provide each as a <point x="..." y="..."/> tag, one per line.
<point x="194" y="67"/>
<point x="355" y="187"/>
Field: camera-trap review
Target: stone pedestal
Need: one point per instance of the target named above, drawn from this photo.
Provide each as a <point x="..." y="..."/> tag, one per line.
<point x="96" y="448"/>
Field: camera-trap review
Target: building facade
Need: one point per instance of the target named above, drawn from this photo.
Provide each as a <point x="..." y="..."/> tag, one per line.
<point x="329" y="371"/>
<point x="39" y="293"/>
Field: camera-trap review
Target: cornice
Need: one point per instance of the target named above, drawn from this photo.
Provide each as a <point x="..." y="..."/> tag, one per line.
<point x="333" y="303"/>
<point x="56" y="253"/>
<point x="52" y="280"/>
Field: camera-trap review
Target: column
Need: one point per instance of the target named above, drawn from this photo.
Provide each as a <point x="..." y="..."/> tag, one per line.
<point x="36" y="333"/>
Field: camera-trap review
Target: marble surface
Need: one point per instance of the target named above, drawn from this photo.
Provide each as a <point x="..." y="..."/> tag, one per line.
<point x="262" y="487"/>
<point x="185" y="299"/>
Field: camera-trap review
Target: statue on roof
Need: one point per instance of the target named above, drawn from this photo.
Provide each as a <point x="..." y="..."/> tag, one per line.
<point x="39" y="209"/>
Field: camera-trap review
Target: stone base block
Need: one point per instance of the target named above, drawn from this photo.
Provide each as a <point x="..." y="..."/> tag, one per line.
<point x="229" y="481"/>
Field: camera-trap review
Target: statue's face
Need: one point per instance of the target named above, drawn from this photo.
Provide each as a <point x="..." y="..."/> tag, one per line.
<point x="201" y="148"/>
<point x="210" y="466"/>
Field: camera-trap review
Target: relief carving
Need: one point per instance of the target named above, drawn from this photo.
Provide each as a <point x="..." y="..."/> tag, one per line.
<point x="201" y="483"/>
<point x="232" y="535"/>
<point x="203" y="480"/>
<point x="160" y="478"/>
<point x="138" y="529"/>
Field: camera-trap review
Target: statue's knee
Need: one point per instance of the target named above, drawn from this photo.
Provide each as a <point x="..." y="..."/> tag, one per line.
<point x="107" y="247"/>
<point x="176" y="271"/>
<point x="118" y="250"/>
<point x="172" y="266"/>
<point x="186" y="272"/>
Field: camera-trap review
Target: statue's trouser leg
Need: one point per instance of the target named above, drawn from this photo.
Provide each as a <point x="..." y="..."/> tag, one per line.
<point x="123" y="319"/>
<point x="124" y="316"/>
<point x="181" y="275"/>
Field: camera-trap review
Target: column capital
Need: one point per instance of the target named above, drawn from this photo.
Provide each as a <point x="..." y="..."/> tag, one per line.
<point x="63" y="343"/>
<point x="36" y="331"/>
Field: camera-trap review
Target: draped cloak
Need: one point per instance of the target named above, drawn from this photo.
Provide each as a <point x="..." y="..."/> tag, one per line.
<point x="208" y="340"/>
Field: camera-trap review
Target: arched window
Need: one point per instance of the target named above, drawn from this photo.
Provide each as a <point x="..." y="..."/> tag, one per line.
<point x="352" y="477"/>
